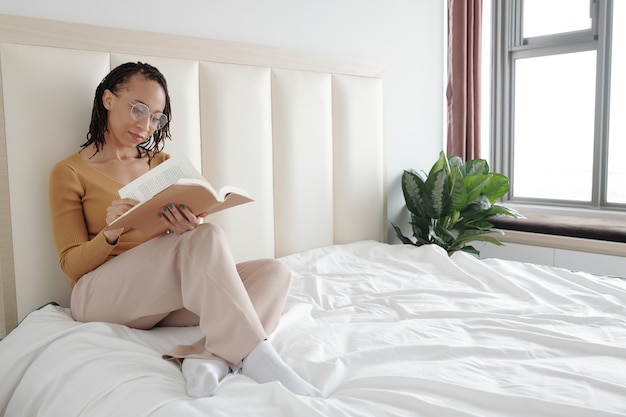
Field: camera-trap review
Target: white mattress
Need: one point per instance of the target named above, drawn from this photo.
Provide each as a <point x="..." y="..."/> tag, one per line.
<point x="382" y="330"/>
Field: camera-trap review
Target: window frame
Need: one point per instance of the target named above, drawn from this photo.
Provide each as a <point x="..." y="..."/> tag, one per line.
<point x="508" y="45"/>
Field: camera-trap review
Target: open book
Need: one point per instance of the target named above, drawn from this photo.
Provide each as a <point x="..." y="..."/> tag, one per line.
<point x="174" y="181"/>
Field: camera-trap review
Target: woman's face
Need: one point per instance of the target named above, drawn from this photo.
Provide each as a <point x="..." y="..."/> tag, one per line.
<point x="123" y="130"/>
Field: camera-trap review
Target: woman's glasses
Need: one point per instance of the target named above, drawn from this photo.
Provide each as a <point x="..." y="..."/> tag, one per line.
<point x="139" y="111"/>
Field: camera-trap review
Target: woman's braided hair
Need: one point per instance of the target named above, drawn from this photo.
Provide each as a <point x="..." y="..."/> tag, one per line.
<point x="112" y="82"/>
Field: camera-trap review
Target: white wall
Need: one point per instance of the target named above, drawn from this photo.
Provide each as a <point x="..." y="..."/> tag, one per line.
<point x="594" y="263"/>
<point x="406" y="35"/>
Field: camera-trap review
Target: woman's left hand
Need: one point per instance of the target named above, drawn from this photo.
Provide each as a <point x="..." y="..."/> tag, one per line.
<point x="179" y="219"/>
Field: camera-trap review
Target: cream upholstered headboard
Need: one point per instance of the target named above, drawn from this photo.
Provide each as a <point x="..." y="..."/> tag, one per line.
<point x="303" y="133"/>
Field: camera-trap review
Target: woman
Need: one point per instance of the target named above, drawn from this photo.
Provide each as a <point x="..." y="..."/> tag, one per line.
<point x="185" y="277"/>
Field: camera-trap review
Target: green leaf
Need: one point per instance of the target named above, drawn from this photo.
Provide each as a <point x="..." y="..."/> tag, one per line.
<point x="472" y="235"/>
<point x="476" y="167"/>
<point x="497" y="186"/>
<point x="420" y="225"/>
<point x="413" y="190"/>
<point x="490" y="239"/>
<point x="442" y="236"/>
<point x="458" y="193"/>
<point x="456" y="162"/>
<point x="480" y="203"/>
<point x="501" y="211"/>
<point x="441" y="164"/>
<point x="470" y="250"/>
<point x="474" y="184"/>
<point x="455" y="216"/>
<point x="400" y="235"/>
<point x="437" y="197"/>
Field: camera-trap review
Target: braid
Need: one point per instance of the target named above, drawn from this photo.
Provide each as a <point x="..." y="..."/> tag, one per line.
<point x="113" y="81"/>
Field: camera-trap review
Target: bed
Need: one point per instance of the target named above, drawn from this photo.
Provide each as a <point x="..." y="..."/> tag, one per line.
<point x="381" y="329"/>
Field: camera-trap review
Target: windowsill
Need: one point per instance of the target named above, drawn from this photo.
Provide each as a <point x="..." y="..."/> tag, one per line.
<point x="566" y="230"/>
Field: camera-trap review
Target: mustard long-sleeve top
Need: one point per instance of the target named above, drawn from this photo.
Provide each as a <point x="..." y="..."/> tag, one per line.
<point x="79" y="195"/>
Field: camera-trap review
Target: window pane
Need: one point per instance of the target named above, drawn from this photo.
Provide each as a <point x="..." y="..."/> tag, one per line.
<point x="554" y="126"/>
<point x="547" y="17"/>
<point x="616" y="188"/>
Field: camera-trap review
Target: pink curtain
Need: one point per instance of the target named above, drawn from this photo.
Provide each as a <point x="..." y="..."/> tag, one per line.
<point x="463" y="90"/>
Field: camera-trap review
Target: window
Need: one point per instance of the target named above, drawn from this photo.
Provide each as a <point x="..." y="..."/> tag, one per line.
<point x="558" y="78"/>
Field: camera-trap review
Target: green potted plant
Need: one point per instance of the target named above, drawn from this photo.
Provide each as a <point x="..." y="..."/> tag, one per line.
<point x="453" y="204"/>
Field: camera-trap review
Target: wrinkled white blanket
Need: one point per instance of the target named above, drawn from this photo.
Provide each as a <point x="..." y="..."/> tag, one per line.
<point x="382" y="330"/>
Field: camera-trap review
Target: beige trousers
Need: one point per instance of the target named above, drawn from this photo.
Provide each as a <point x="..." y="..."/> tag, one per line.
<point x="183" y="280"/>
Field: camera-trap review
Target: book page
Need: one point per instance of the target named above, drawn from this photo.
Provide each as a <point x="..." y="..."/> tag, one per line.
<point x="158" y="178"/>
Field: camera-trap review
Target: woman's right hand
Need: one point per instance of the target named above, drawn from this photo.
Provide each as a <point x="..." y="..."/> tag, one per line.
<point x="115" y="210"/>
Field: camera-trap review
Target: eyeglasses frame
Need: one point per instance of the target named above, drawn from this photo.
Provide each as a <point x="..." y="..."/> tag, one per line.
<point x="148" y="114"/>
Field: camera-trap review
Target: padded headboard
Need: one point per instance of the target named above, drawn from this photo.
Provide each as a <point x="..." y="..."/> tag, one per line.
<point x="303" y="133"/>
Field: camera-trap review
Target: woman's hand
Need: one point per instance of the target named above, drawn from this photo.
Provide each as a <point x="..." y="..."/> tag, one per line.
<point x="179" y="219"/>
<point x="115" y="210"/>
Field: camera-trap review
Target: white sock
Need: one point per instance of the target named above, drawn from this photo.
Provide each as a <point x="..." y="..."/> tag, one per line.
<point x="263" y="364"/>
<point x="203" y="376"/>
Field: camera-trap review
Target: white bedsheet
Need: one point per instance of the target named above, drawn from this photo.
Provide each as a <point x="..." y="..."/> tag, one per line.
<point x="382" y="330"/>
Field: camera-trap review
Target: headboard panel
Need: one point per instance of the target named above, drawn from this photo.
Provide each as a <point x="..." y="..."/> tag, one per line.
<point x="302" y="130"/>
<point x="302" y="133"/>
<point x="237" y="149"/>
